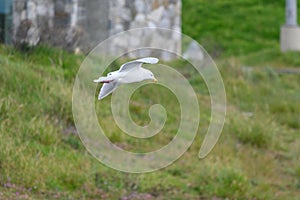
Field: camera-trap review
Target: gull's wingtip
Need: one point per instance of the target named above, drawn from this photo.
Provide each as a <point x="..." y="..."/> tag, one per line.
<point x="100" y="97"/>
<point x="153" y="60"/>
<point x="149" y="60"/>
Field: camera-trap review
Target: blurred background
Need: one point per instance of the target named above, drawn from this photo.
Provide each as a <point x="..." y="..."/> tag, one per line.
<point x="255" y="44"/>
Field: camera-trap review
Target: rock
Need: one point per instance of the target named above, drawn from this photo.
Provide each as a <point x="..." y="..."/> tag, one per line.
<point x="113" y="3"/>
<point x="178" y="7"/>
<point x="156" y="40"/>
<point x="167" y="56"/>
<point x="121" y="3"/>
<point x="113" y="13"/>
<point x="156" y="14"/>
<point x="71" y="33"/>
<point x="173" y="1"/>
<point x="22" y="29"/>
<point x="139" y="6"/>
<point x="42" y="9"/>
<point x="19" y="5"/>
<point x="77" y="51"/>
<point x="121" y="41"/>
<point x="31" y="11"/>
<point x="144" y="53"/>
<point x="177" y="21"/>
<point x="23" y="15"/>
<point x="59" y="6"/>
<point x="118" y="28"/>
<point x="16" y="19"/>
<point x="140" y="17"/>
<point x="138" y="24"/>
<point x="33" y="36"/>
<point x="151" y="24"/>
<point x="177" y="47"/>
<point x="194" y="52"/>
<point x="165" y="21"/>
<point x="171" y="11"/>
<point x="51" y="12"/>
<point x="125" y="14"/>
<point x="176" y="35"/>
<point x="148" y="7"/>
<point x="134" y="40"/>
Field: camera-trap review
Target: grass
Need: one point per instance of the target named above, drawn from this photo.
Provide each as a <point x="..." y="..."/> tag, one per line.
<point x="257" y="156"/>
<point x="41" y="156"/>
<point x="226" y="28"/>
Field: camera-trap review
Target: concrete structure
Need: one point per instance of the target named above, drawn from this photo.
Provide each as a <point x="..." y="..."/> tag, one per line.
<point x="290" y="32"/>
<point x="5" y="21"/>
<point x="69" y="24"/>
<point x="128" y="14"/>
<point x="82" y="24"/>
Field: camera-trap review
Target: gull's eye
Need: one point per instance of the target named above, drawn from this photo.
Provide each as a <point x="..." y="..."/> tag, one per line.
<point x="109" y="74"/>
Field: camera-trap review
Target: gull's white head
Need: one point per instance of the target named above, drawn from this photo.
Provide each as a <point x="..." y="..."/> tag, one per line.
<point x="148" y="75"/>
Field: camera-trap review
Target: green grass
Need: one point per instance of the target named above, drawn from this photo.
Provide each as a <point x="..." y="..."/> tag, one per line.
<point x="41" y="156"/>
<point x="235" y="28"/>
<point x="257" y="156"/>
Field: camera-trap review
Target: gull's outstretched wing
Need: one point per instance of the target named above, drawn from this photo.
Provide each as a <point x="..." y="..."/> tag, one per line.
<point x="137" y="63"/>
<point x="106" y="89"/>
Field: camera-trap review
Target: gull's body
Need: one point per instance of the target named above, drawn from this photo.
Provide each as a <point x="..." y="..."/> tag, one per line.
<point x="130" y="72"/>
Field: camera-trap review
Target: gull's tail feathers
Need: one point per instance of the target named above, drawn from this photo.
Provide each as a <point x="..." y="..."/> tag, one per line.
<point x="103" y="79"/>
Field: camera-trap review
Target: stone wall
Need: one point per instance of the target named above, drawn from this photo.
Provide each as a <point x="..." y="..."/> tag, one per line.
<point x="53" y="22"/>
<point x="82" y="24"/>
<point x="128" y="14"/>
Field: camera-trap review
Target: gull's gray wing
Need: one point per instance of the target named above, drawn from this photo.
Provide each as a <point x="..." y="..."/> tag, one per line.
<point x="137" y="63"/>
<point x="106" y="89"/>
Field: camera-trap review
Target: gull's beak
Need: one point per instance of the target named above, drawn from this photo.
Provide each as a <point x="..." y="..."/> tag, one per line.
<point x="155" y="80"/>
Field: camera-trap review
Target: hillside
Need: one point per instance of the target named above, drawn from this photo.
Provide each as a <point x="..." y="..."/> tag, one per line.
<point x="235" y="28"/>
<point x="41" y="156"/>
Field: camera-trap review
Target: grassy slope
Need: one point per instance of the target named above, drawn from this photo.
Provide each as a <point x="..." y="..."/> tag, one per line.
<point x="237" y="27"/>
<point x="40" y="157"/>
<point x="243" y="28"/>
<point x="256" y="157"/>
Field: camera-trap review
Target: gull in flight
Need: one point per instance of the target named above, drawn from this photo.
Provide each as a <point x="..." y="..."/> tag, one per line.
<point x="130" y="72"/>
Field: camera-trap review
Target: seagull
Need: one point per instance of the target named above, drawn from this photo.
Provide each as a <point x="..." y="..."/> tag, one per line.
<point x="130" y="72"/>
